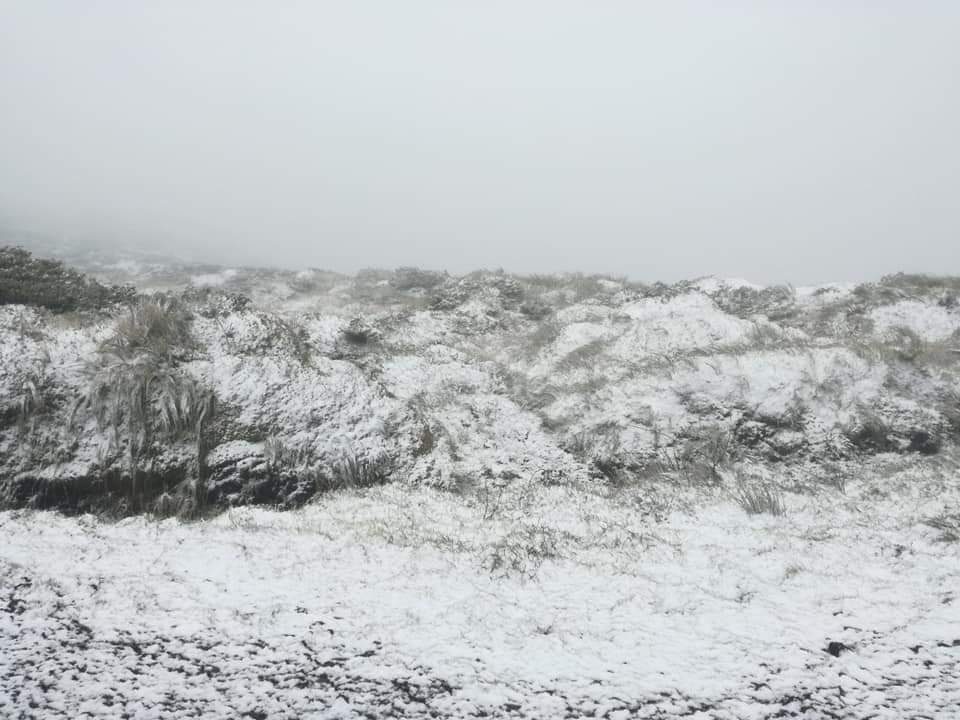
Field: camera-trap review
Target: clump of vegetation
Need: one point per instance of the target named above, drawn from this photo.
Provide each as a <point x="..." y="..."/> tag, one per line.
<point x="871" y="433"/>
<point x="918" y="285"/>
<point x="455" y="291"/>
<point x="697" y="456"/>
<point x="356" y="472"/>
<point x="26" y="280"/>
<point x="757" y="496"/>
<point x="411" y="278"/>
<point x="601" y="446"/>
<point x="158" y="327"/>
<point x="280" y="456"/>
<point x="777" y="302"/>
<point x="523" y="551"/>
<point x="359" y="331"/>
<point x="535" y="308"/>
<point x="139" y="394"/>
<point x="298" y="463"/>
<point x="214" y="302"/>
<point x="569" y="288"/>
<point x="908" y="286"/>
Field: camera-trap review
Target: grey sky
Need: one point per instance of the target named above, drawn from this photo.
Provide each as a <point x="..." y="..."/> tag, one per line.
<point x="775" y="141"/>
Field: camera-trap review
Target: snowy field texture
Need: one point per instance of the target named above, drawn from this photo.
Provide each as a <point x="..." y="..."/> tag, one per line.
<point x="574" y="602"/>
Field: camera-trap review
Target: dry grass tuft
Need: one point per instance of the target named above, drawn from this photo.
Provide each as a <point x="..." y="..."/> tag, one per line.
<point x="757" y="498"/>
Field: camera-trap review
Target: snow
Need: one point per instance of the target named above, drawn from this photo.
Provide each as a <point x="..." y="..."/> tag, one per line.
<point x="130" y="267"/>
<point x="827" y="291"/>
<point x="213" y="279"/>
<point x="233" y="451"/>
<point x="364" y="602"/>
<point x="930" y="322"/>
<point x="688" y="322"/>
<point x="712" y="285"/>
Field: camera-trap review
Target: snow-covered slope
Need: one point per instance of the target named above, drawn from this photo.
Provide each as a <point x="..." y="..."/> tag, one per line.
<point x="490" y="379"/>
<point x="506" y="497"/>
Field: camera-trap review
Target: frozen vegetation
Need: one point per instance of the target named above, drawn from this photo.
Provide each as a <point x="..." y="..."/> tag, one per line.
<point x="238" y="492"/>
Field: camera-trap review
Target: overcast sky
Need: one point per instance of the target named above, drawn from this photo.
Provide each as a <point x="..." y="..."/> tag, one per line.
<point x="777" y="141"/>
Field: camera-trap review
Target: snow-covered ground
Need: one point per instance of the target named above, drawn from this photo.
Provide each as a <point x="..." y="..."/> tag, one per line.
<point x="582" y="602"/>
<point x="541" y="515"/>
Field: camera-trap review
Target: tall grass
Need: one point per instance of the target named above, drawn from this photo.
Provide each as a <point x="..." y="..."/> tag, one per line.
<point x="138" y="393"/>
<point x="759" y="498"/>
<point x="157" y="326"/>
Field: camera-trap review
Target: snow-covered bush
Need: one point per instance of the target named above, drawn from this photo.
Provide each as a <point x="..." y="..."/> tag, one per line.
<point x="777" y="302"/>
<point x="360" y="331"/>
<point x="157" y="326"/>
<point x="26" y="280"/>
<point x="138" y="394"/>
<point x="411" y="278"/>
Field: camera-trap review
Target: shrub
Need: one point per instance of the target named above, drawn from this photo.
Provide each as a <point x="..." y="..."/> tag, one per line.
<point x="871" y="433"/>
<point x="777" y="302"/>
<point x="27" y="280"/>
<point x="588" y="286"/>
<point x="535" y="308"/>
<point x="411" y="278"/>
<point x="523" y="551"/>
<point x="919" y="283"/>
<point x="360" y="332"/>
<point x="213" y="302"/>
<point x="714" y="447"/>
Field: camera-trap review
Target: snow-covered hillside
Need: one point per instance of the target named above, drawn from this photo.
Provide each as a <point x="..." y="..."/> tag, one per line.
<point x="542" y="496"/>
<point x="466" y="383"/>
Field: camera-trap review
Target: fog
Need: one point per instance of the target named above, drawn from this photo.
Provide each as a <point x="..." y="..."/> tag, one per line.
<point x="773" y="141"/>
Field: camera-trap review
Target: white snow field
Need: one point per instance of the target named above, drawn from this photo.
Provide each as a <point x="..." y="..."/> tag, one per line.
<point x="571" y="602"/>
